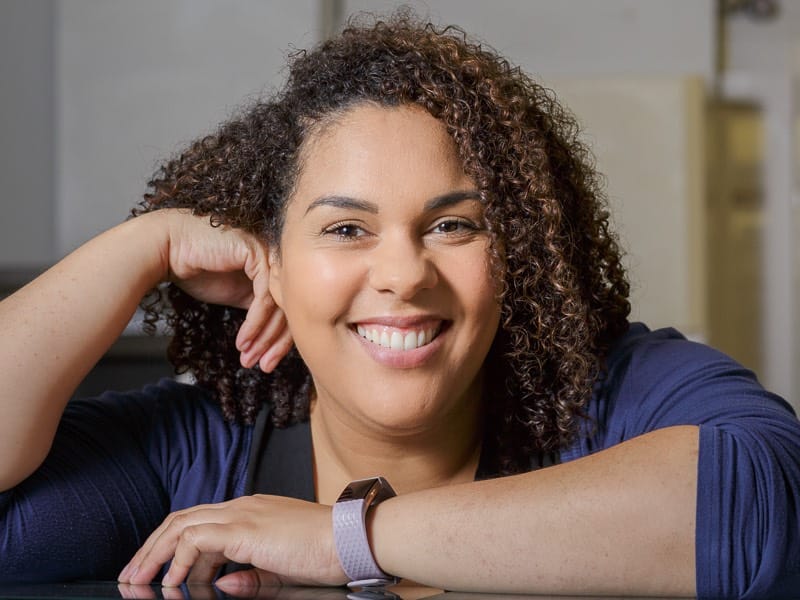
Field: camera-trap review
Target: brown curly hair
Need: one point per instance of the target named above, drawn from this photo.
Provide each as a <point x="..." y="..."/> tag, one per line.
<point x="563" y="293"/>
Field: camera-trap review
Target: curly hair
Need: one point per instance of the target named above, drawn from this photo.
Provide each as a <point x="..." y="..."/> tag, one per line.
<point x="563" y="292"/>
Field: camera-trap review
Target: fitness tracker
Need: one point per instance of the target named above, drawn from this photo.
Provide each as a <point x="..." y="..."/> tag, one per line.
<point x="350" y="531"/>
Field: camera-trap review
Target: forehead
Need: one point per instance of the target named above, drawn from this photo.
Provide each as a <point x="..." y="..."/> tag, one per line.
<point x="371" y="148"/>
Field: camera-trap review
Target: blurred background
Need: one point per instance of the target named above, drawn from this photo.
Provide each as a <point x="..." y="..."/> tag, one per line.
<point x="691" y="107"/>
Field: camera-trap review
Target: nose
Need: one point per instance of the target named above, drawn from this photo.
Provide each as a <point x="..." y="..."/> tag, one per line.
<point x="401" y="266"/>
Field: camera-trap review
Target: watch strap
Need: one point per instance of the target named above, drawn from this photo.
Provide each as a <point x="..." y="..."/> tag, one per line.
<point x="350" y="534"/>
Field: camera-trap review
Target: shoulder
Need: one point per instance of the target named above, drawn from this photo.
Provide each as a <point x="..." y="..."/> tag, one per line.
<point x="655" y="379"/>
<point x="665" y="367"/>
<point x="655" y="354"/>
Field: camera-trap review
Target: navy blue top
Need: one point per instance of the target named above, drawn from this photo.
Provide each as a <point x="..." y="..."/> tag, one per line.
<point x="119" y="465"/>
<point x="122" y="462"/>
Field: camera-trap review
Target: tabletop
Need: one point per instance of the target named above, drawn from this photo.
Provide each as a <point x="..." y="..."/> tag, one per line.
<point x="114" y="590"/>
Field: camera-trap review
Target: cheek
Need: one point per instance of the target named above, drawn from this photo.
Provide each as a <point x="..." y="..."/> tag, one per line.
<point x="478" y="292"/>
<point x="475" y="284"/>
<point x="485" y="309"/>
<point x="318" y="287"/>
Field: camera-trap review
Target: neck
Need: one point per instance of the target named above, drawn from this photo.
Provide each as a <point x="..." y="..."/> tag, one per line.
<point x="445" y="453"/>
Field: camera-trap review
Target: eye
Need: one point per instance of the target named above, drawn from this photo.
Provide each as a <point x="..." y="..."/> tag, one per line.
<point x="344" y="231"/>
<point x="455" y="226"/>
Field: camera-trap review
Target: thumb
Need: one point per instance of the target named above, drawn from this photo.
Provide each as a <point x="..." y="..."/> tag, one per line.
<point x="246" y="584"/>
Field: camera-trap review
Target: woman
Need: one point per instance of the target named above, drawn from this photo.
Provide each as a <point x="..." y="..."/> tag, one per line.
<point x="425" y="220"/>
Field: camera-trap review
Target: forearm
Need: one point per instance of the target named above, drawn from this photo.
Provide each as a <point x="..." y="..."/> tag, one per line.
<point x="57" y="327"/>
<point x="621" y="521"/>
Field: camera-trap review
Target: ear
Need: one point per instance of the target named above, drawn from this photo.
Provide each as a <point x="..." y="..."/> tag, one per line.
<point x="275" y="271"/>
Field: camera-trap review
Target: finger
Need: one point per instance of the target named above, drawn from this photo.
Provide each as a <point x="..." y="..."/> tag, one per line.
<point x="186" y="554"/>
<point x="259" y="313"/>
<point x="132" y="571"/>
<point x="261" y="308"/>
<point x="125" y="591"/>
<point x="276" y="353"/>
<point x="193" y="542"/>
<point x="249" y="583"/>
<point x="174" y="593"/>
<point x="160" y="544"/>
<point x="256" y="267"/>
<point x="131" y="592"/>
<point x="195" y="591"/>
<point x="266" y="339"/>
<point x="206" y="568"/>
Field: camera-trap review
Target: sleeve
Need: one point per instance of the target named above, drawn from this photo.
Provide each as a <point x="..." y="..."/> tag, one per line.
<point x="748" y="489"/>
<point x="119" y="464"/>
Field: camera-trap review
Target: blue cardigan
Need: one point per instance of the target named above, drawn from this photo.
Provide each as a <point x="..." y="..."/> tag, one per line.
<point x="122" y="462"/>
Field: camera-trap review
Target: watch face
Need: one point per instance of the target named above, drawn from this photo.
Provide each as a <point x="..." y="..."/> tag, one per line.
<point x="372" y="490"/>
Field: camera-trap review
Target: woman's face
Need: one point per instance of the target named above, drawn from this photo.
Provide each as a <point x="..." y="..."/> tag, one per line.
<point x="383" y="271"/>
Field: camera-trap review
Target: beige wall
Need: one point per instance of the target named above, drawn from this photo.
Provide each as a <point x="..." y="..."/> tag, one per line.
<point x="648" y="136"/>
<point x="136" y="80"/>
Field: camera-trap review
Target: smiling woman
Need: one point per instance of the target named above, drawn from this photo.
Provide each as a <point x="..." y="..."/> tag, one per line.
<point x="404" y="258"/>
<point x="395" y="284"/>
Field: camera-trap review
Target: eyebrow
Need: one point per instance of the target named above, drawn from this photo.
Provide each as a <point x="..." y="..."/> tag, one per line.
<point x="435" y="203"/>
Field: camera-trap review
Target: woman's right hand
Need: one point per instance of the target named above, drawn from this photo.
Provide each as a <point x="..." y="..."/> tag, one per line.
<point x="228" y="266"/>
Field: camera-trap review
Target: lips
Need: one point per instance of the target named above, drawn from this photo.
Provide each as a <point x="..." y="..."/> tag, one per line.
<point x="399" y="338"/>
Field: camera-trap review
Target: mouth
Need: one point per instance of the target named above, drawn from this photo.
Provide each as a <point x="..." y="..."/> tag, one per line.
<point x="399" y="338"/>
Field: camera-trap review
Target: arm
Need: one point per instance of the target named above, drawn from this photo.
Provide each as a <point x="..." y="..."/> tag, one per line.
<point x="57" y="327"/>
<point x="596" y="525"/>
<point x="618" y="522"/>
<point x="632" y="519"/>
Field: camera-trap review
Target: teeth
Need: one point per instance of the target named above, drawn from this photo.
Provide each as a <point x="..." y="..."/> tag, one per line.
<point x="410" y="341"/>
<point x="397" y="340"/>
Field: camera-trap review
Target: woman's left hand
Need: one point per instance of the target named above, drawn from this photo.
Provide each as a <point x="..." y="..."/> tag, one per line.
<point x="288" y="541"/>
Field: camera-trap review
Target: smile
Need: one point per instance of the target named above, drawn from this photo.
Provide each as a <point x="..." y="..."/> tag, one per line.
<point x="398" y="339"/>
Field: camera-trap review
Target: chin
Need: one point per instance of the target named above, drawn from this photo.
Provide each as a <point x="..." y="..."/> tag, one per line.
<point x="398" y="415"/>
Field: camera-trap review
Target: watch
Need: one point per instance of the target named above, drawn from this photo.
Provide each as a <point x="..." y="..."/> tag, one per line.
<point x="350" y="531"/>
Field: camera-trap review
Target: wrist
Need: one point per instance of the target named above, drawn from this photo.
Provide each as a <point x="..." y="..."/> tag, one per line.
<point x="152" y="233"/>
<point x="350" y="531"/>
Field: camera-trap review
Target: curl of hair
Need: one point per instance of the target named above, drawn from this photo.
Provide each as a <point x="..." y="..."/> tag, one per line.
<point x="563" y="291"/>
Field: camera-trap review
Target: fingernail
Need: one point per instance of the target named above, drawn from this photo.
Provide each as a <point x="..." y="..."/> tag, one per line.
<point x="245" y="346"/>
<point x="124" y="573"/>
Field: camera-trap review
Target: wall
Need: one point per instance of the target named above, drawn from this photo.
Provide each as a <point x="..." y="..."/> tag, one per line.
<point x="762" y="66"/>
<point x="137" y="80"/>
<point x="572" y="38"/>
<point x="647" y="134"/>
<point x="27" y="131"/>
